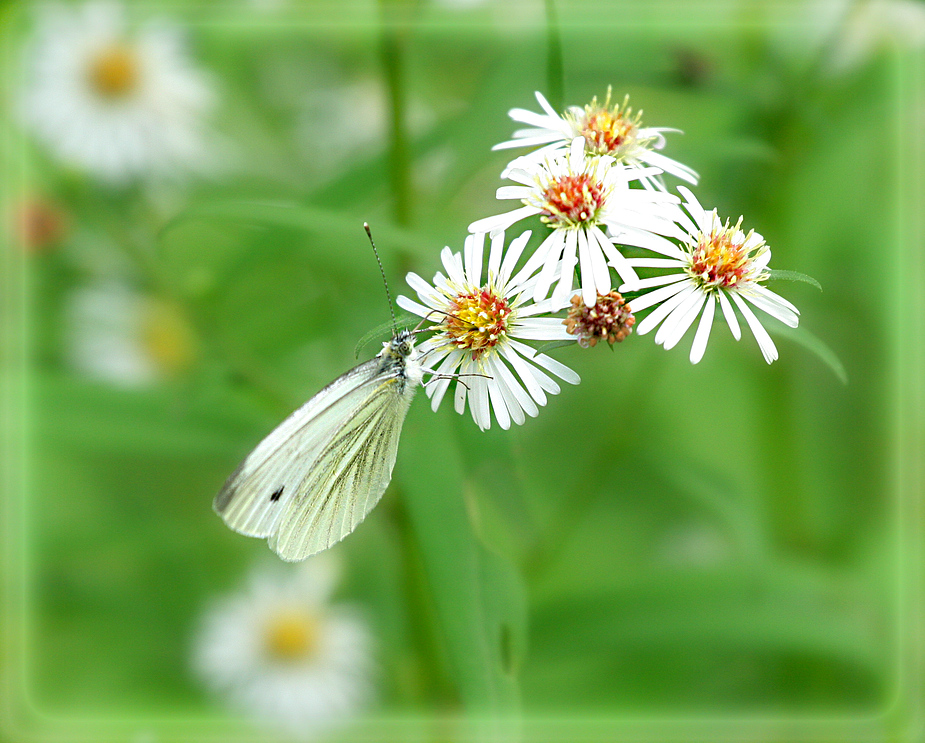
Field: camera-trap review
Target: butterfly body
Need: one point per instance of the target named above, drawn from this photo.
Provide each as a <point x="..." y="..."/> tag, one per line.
<point x="314" y="478"/>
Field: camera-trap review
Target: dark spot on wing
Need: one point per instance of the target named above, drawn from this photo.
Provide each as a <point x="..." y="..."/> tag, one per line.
<point x="277" y="493"/>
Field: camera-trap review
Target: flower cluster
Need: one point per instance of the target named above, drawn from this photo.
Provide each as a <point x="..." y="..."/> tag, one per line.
<point x="596" y="182"/>
<point x="121" y="101"/>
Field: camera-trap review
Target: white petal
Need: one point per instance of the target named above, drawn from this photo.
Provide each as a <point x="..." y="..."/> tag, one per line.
<point x="560" y="370"/>
<point x="671" y="166"/>
<point x="552" y="245"/>
<point x="475" y="245"/>
<point x="522" y="115"/>
<point x="515" y="389"/>
<point x="772" y="308"/>
<point x="438" y="389"/>
<point x="452" y="262"/>
<point x="525" y="372"/>
<point x="480" y="402"/>
<point x="503" y="221"/>
<point x="546" y="137"/>
<point x="703" y="331"/>
<point x="494" y="258"/>
<point x="655" y="263"/>
<point x="679" y="321"/>
<point x="541" y="329"/>
<point x="768" y="349"/>
<point x="409" y="304"/>
<point x="693" y="207"/>
<point x="459" y="397"/>
<point x="626" y="235"/>
<point x="544" y="104"/>
<point x="563" y="290"/>
<point x="426" y="293"/>
<point x="659" y="295"/>
<point x="576" y="154"/>
<point x="588" y="291"/>
<point x="514" y="251"/>
<point x="774" y="297"/>
<point x="497" y="401"/>
<point x="682" y="292"/>
<point x="596" y="251"/>
<point x="514" y="192"/>
<point x="731" y="320"/>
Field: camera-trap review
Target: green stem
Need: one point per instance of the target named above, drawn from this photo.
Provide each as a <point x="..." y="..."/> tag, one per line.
<point x="435" y="686"/>
<point x="394" y="33"/>
<point x="555" y="70"/>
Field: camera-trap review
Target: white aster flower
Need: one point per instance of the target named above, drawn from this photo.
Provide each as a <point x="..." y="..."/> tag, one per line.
<point x="482" y="325"/>
<point x="606" y="130"/>
<point x="118" y="335"/>
<point x="579" y="197"/>
<point x="282" y="654"/>
<point x="116" y="104"/>
<point x="717" y="261"/>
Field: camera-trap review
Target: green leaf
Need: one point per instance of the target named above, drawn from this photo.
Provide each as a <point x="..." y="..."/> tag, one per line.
<point x="552" y="345"/>
<point x="794" y="276"/>
<point x="326" y="223"/>
<point x="801" y="336"/>
<point x="478" y="596"/>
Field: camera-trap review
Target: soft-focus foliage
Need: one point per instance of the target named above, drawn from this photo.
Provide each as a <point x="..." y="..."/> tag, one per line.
<point x="728" y="543"/>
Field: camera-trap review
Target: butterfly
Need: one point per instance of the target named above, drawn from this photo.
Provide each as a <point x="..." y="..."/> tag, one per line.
<point x="319" y="473"/>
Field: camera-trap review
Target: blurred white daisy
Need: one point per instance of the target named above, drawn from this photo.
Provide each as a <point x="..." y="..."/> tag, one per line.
<point x="116" y="334"/>
<point x="579" y="196"/>
<point x="853" y="31"/>
<point x="481" y="325"/>
<point x="282" y="654"/>
<point x="116" y="104"/>
<point x="607" y="129"/>
<point x="717" y="261"/>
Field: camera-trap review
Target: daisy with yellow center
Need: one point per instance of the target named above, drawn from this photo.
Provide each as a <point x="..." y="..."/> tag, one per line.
<point x="606" y="129"/>
<point x="281" y="653"/>
<point x="717" y="262"/>
<point x="588" y="204"/>
<point x="119" y="335"/>
<point x="478" y="329"/>
<point x="117" y="103"/>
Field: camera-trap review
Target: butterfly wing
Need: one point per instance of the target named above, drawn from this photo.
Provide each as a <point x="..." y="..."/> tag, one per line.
<point x="258" y="492"/>
<point x="316" y="476"/>
<point x="348" y="477"/>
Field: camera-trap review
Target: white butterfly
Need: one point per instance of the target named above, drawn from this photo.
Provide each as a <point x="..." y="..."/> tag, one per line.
<point x="315" y="477"/>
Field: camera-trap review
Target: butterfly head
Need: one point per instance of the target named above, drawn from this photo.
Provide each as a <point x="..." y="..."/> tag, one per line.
<point x="401" y="346"/>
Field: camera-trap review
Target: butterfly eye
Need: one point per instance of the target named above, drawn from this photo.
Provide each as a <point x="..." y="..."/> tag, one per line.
<point x="405" y="348"/>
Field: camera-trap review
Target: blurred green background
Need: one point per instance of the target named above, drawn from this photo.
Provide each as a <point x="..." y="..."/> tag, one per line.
<point x="668" y="552"/>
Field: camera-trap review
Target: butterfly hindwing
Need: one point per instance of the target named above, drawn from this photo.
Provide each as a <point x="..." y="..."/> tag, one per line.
<point x="258" y="492"/>
<point x="347" y="478"/>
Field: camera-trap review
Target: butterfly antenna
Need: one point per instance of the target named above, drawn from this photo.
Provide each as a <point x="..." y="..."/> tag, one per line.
<point x="384" y="281"/>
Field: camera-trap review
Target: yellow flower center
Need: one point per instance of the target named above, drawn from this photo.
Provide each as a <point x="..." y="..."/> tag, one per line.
<point x="477" y="321"/>
<point x="608" y="130"/>
<point x="572" y="200"/>
<point x="719" y="260"/>
<point x="167" y="338"/>
<point x="114" y="72"/>
<point x="292" y="636"/>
